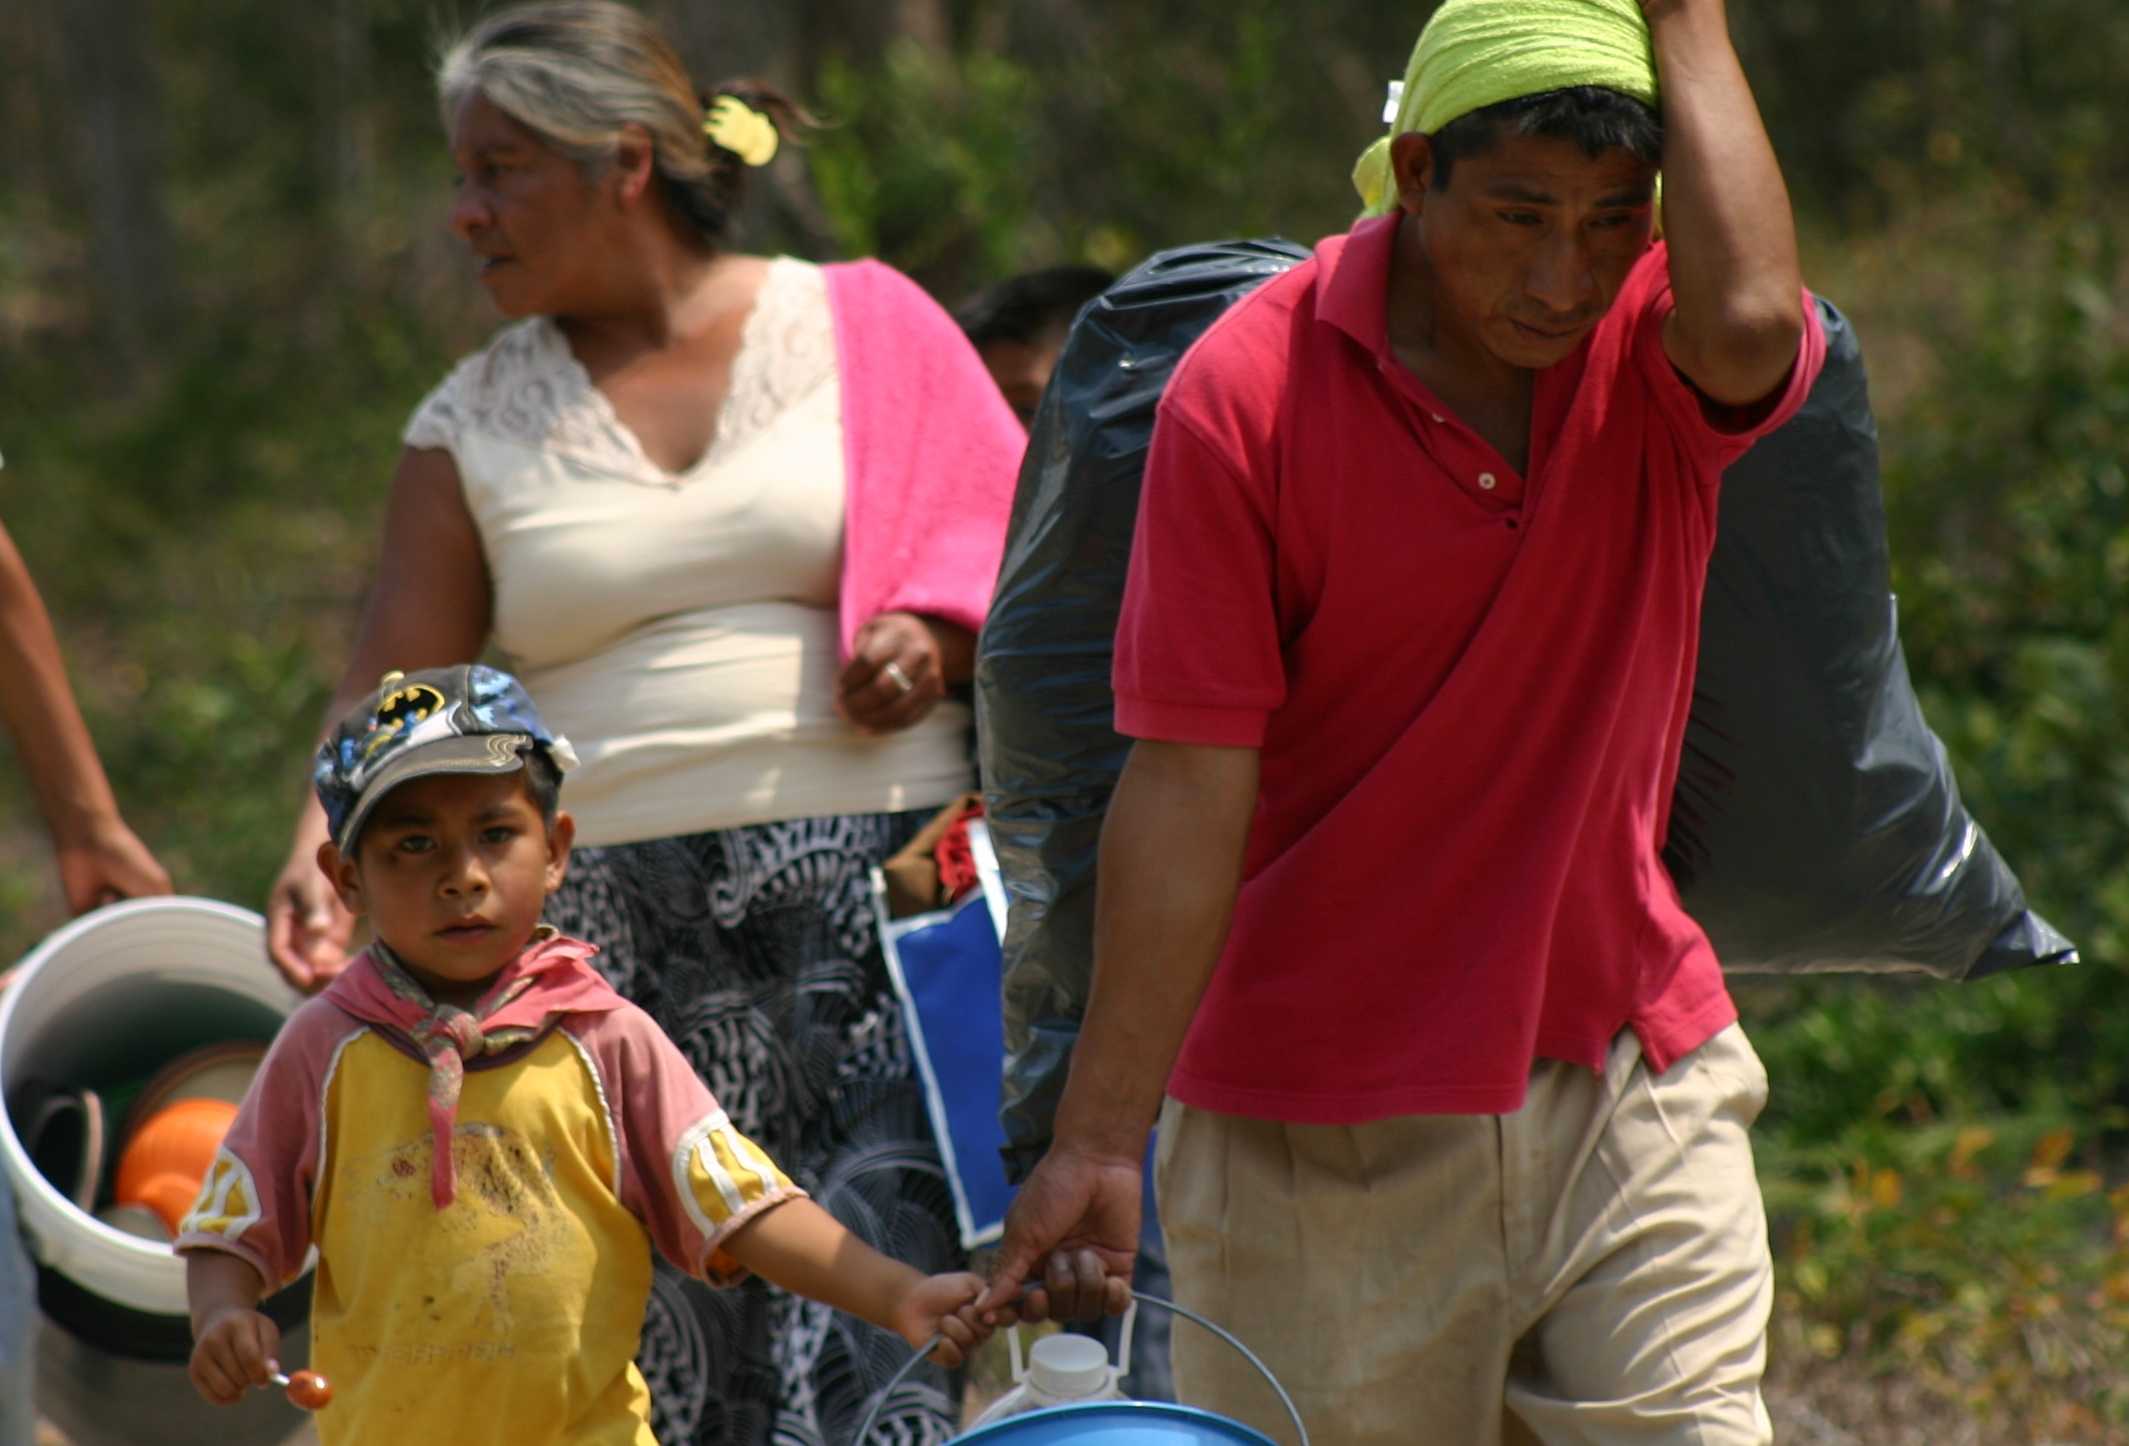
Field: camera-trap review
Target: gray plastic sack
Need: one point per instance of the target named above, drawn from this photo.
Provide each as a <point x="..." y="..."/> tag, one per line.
<point x="1816" y="823"/>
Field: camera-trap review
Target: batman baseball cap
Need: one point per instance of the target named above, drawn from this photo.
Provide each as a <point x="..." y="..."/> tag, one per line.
<point x="464" y="719"/>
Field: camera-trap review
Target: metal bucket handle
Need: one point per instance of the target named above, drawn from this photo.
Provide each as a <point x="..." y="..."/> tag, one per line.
<point x="865" y="1428"/>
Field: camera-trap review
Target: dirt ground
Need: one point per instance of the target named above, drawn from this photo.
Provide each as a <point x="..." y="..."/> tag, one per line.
<point x="1823" y="1403"/>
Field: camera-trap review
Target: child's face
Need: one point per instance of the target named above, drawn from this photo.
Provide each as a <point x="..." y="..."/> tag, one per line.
<point x="453" y="871"/>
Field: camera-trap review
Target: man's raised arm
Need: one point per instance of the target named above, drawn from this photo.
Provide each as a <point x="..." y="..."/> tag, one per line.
<point x="1726" y="214"/>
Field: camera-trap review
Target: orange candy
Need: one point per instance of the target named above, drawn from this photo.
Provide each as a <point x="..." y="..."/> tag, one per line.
<point x="310" y="1391"/>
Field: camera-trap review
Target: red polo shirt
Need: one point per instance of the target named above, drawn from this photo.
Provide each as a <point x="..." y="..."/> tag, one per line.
<point x="1468" y="687"/>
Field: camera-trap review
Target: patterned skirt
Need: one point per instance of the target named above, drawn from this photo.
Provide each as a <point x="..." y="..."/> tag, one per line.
<point x="755" y="948"/>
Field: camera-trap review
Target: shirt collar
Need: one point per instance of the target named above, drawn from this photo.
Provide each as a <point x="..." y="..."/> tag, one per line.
<point x="1353" y="282"/>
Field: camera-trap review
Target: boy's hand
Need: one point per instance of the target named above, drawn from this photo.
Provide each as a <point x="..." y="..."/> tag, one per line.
<point x="946" y="1305"/>
<point x="233" y="1350"/>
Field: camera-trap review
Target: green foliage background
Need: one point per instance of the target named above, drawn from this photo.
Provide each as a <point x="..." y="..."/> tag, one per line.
<point x="195" y="457"/>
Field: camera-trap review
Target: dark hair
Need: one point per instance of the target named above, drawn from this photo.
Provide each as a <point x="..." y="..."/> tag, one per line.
<point x="1032" y="305"/>
<point x="1594" y="118"/>
<point x="576" y="71"/>
<point x="543" y="783"/>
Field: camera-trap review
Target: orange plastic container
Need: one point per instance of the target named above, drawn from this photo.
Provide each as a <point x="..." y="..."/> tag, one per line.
<point x="169" y="1155"/>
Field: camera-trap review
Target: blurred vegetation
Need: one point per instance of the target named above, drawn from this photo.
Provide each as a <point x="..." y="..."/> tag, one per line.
<point x="224" y="284"/>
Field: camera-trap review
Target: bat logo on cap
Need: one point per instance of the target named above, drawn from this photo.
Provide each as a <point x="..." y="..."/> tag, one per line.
<point x="398" y="709"/>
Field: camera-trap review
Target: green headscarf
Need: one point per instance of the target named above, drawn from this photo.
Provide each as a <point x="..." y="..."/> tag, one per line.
<point x="1476" y="53"/>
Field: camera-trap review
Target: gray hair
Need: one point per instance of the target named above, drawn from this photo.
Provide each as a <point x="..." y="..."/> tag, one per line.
<point x="577" y="72"/>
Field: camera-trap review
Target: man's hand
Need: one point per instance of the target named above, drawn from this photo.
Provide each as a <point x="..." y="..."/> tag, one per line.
<point x="1076" y="1217"/>
<point x="109" y="863"/>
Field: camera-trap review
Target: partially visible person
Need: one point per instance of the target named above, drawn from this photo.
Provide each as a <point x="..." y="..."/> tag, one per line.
<point x="1383" y="935"/>
<point x="482" y="1140"/>
<point x="1018" y="327"/>
<point x="100" y="861"/>
<point x="734" y="521"/>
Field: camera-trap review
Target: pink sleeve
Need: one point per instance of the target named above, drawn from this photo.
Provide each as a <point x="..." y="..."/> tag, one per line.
<point x="256" y="1200"/>
<point x="684" y="1171"/>
<point x="1682" y="404"/>
<point x="931" y="455"/>
<point x="1198" y="650"/>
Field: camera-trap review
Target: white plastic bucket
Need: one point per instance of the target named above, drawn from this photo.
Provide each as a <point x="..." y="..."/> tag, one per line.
<point x="115" y="995"/>
<point x="123" y="990"/>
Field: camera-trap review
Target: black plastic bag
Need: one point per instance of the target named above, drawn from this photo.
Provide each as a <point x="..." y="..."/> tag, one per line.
<point x="1044" y="711"/>
<point x="1816" y="824"/>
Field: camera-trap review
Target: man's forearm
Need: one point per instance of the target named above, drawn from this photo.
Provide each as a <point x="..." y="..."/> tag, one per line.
<point x="1171" y="859"/>
<point x="1734" y="268"/>
<point x="57" y="754"/>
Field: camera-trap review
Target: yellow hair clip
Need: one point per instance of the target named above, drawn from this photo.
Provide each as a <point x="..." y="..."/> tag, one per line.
<point x="742" y="130"/>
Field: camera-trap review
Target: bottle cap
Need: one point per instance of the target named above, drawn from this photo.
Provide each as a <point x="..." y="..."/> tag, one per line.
<point x="1069" y="1366"/>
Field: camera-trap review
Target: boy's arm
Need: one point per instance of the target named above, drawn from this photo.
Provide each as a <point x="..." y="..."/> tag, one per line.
<point x="718" y="1207"/>
<point x="233" y="1344"/>
<point x="100" y="859"/>
<point x="1734" y="270"/>
<point x="808" y="1252"/>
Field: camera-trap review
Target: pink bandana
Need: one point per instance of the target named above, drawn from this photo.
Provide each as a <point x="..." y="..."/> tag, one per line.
<point x="551" y="978"/>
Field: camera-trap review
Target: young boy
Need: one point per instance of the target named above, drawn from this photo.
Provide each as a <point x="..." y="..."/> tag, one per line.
<point x="478" y="1135"/>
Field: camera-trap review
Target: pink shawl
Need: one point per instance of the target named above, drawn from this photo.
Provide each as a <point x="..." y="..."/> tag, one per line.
<point x="931" y="455"/>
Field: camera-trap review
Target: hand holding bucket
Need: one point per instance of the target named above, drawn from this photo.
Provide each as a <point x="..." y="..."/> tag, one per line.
<point x="1185" y="1424"/>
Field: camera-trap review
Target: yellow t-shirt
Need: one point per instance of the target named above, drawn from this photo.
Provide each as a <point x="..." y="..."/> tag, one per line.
<point x="510" y="1315"/>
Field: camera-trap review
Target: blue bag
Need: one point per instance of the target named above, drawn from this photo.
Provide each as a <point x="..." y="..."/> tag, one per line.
<point x="946" y="967"/>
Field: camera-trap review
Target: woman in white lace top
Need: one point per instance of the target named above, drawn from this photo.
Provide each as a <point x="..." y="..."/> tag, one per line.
<point x="733" y="520"/>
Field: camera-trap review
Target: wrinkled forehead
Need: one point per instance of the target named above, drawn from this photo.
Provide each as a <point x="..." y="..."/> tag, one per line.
<point x="477" y="124"/>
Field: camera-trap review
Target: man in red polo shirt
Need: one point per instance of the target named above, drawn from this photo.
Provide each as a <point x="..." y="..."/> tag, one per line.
<point x="1455" y="1128"/>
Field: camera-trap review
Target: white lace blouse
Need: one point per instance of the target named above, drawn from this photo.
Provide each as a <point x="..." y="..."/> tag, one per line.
<point x="680" y="629"/>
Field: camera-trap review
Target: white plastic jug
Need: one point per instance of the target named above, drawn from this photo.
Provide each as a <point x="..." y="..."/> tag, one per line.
<point x="1061" y="1370"/>
<point x="1105" y="1412"/>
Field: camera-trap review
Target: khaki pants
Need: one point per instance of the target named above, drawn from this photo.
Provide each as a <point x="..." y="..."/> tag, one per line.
<point x="1590" y="1269"/>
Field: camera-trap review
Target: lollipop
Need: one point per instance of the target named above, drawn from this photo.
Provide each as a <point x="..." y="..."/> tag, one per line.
<point x="306" y="1389"/>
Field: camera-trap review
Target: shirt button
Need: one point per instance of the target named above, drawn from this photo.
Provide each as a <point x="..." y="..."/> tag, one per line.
<point x="1486" y="480"/>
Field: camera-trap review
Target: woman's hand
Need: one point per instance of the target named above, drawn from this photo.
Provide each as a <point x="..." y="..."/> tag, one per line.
<point x="429" y="607"/>
<point x="899" y="668"/>
<point x="307" y="930"/>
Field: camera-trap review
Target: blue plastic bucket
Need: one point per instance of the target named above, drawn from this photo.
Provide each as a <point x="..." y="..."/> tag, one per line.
<point x="1112" y="1422"/>
<point x="1118" y="1423"/>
